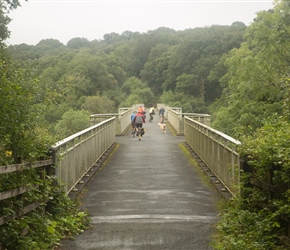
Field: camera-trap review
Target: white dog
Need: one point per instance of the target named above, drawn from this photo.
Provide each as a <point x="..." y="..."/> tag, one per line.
<point x="162" y="127"/>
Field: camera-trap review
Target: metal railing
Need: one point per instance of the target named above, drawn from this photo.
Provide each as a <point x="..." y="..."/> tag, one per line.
<point x="123" y="118"/>
<point x="175" y="117"/>
<point x="217" y="150"/>
<point x="75" y="155"/>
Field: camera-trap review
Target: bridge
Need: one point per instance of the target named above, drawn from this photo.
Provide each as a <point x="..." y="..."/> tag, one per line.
<point x="148" y="194"/>
<point x="81" y="152"/>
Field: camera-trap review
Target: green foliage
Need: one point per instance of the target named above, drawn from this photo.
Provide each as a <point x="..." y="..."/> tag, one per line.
<point x="49" y="46"/>
<point x="154" y="68"/>
<point x="72" y="122"/>
<point x="22" y="130"/>
<point x="47" y="225"/>
<point x="186" y="108"/>
<point x="76" y="43"/>
<point x="186" y="102"/>
<point x="196" y="55"/>
<point x="5" y="7"/>
<point x="245" y="70"/>
<point x="5" y="20"/>
<point x="163" y="59"/>
<point x="254" y="85"/>
<point x="99" y="105"/>
<point x="10" y="4"/>
<point x="136" y="92"/>
<point x="96" y="76"/>
<point x="23" y="52"/>
<point x="268" y="148"/>
<point x="24" y="137"/>
<point x="241" y="229"/>
<point x="55" y="112"/>
<point x="255" y="219"/>
<point x="185" y="84"/>
<point x="255" y="108"/>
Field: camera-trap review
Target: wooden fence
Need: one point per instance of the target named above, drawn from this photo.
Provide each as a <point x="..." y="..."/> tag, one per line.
<point x="6" y="195"/>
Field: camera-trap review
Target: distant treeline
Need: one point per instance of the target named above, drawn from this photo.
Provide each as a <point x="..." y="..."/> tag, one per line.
<point x="180" y="68"/>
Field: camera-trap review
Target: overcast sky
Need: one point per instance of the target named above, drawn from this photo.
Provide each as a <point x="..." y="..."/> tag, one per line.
<point x="92" y="19"/>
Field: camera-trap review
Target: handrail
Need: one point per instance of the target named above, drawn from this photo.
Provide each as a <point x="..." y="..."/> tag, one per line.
<point x="123" y="118"/>
<point x="75" y="155"/>
<point x="175" y="117"/>
<point x="217" y="150"/>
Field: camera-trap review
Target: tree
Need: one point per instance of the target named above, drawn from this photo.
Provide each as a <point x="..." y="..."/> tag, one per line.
<point x="160" y="58"/>
<point x="254" y="85"/>
<point x="22" y="130"/>
<point x="72" y="122"/>
<point x="112" y="38"/>
<point x="99" y="105"/>
<point x="5" y="20"/>
<point x="185" y="84"/>
<point x="115" y="69"/>
<point x="136" y="92"/>
<point x="49" y="47"/>
<point x="5" y="7"/>
<point x="23" y="52"/>
<point x="77" y="43"/>
<point x="11" y="4"/>
<point x="155" y="67"/>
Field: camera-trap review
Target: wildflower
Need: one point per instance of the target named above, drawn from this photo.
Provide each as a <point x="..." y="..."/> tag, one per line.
<point x="8" y="153"/>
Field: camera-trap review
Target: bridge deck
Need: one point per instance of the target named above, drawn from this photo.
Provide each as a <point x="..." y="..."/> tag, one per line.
<point x="148" y="195"/>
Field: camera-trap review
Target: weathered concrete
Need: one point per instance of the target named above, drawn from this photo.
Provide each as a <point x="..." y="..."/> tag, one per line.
<point x="148" y="195"/>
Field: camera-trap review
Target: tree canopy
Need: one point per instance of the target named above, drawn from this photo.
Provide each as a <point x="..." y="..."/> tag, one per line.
<point x="238" y="74"/>
<point x="255" y="85"/>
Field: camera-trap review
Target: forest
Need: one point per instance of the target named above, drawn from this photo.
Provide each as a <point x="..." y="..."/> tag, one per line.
<point x="88" y="77"/>
<point x="238" y="74"/>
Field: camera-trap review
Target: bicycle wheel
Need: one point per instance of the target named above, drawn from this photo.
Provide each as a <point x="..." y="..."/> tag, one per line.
<point x="133" y="132"/>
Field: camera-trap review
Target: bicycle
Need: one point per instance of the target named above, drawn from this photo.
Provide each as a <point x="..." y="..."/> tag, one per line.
<point x="134" y="131"/>
<point x="140" y="132"/>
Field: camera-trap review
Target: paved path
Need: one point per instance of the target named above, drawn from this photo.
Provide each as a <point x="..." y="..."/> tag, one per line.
<point x="148" y="195"/>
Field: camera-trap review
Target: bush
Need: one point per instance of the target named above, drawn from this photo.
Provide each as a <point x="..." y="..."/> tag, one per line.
<point x="72" y="122"/>
<point x="255" y="219"/>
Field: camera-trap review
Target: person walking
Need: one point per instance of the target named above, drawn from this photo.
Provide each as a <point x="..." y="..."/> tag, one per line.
<point x="161" y="114"/>
<point x="151" y="113"/>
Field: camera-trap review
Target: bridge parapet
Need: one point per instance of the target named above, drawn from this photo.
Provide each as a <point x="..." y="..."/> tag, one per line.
<point x="123" y="118"/>
<point x="75" y="155"/>
<point x="175" y="117"/>
<point x="217" y="150"/>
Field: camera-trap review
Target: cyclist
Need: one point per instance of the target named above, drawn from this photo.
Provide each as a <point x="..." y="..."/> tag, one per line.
<point x="138" y="121"/>
<point x="133" y="125"/>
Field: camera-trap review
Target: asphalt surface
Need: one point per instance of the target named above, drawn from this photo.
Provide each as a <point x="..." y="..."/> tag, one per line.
<point x="148" y="195"/>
